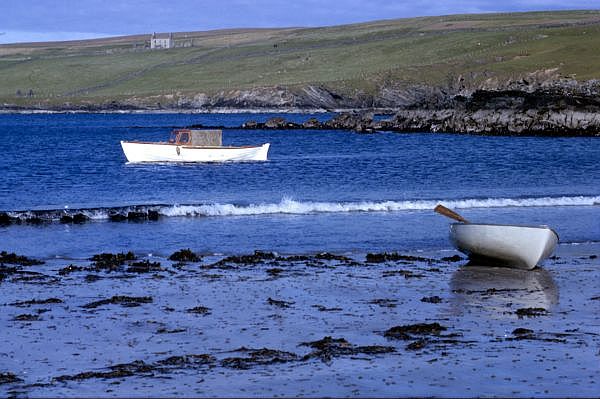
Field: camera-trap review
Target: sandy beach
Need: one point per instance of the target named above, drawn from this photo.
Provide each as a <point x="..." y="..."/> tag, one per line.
<point x="265" y="324"/>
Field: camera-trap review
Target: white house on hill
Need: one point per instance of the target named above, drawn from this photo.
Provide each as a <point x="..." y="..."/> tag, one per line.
<point x="161" y="40"/>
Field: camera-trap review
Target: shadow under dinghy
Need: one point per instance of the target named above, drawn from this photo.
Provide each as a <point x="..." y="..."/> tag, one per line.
<point x="521" y="247"/>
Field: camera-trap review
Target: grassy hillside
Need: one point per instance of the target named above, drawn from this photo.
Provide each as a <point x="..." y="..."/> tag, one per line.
<point x="348" y="58"/>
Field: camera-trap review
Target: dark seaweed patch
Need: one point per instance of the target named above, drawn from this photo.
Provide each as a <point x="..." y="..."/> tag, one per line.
<point x="322" y="308"/>
<point x="144" y="267"/>
<point x="8" y="378"/>
<point x="126" y="301"/>
<point x="14" y="259"/>
<point x="108" y="261"/>
<point x="117" y="371"/>
<point x="257" y="357"/>
<point x="203" y="310"/>
<point x="406" y="332"/>
<point x="395" y="257"/>
<point x="27" y="317"/>
<point x="185" y="255"/>
<point x="70" y="269"/>
<point x="385" y="303"/>
<point x="328" y="348"/>
<point x="279" y="303"/>
<point x="531" y="312"/>
<point x="431" y="299"/>
<point x="405" y="273"/>
<point x="37" y="302"/>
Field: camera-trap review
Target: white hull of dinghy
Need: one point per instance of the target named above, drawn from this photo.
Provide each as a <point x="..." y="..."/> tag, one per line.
<point x="167" y="152"/>
<point x="521" y="247"/>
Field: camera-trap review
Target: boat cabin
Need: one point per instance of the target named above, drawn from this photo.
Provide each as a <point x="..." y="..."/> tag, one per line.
<point x="196" y="138"/>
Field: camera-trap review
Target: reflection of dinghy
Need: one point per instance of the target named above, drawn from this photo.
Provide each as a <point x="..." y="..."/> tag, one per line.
<point x="496" y="288"/>
<point x="187" y="145"/>
<point x="522" y="247"/>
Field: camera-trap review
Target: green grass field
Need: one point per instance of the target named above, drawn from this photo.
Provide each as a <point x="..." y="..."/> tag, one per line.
<point x="431" y="50"/>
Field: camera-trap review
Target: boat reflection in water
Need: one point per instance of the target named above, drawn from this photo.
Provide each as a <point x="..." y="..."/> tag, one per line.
<point x="501" y="290"/>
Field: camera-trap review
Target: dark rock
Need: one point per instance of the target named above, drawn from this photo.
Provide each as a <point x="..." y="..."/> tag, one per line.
<point x="431" y="299"/>
<point x="185" y="255"/>
<point x="257" y="257"/>
<point x="322" y="308"/>
<point x="66" y="219"/>
<point x="250" y="125"/>
<point x="276" y="123"/>
<point x="153" y="215"/>
<point x="126" y="301"/>
<point x="5" y="220"/>
<point x="117" y="217"/>
<point x="137" y="216"/>
<point x="357" y="121"/>
<point x="312" y="123"/>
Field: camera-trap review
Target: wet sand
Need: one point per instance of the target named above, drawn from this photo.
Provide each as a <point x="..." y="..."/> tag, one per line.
<point x="302" y="325"/>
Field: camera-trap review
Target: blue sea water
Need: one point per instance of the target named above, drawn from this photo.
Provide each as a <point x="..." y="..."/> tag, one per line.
<point x="320" y="190"/>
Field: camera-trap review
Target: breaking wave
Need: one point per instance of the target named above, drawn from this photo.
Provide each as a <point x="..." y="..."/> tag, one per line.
<point x="285" y="206"/>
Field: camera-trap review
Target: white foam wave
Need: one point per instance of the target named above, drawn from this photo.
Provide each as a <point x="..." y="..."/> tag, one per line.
<point x="290" y="206"/>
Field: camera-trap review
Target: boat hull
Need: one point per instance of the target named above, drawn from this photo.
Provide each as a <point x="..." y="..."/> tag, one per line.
<point x="165" y="152"/>
<point x="521" y="247"/>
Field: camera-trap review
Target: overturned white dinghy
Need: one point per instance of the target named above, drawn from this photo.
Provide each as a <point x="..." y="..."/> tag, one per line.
<point x="521" y="247"/>
<point x="186" y="145"/>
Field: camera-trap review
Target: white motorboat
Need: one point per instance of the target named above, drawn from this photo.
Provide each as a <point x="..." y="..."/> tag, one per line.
<point x="187" y="145"/>
<point x="521" y="247"/>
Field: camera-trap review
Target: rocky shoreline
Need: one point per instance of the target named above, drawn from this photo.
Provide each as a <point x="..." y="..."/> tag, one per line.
<point x="540" y="104"/>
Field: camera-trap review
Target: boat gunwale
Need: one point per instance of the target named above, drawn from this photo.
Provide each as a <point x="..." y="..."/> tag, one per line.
<point x="194" y="147"/>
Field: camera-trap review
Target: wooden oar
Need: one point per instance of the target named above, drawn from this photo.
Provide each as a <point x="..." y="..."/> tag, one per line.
<point x="442" y="210"/>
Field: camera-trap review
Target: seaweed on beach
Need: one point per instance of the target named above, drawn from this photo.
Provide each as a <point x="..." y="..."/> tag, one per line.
<point x="279" y="303"/>
<point x="27" y="317"/>
<point x="396" y="257"/>
<point x="203" y="310"/>
<point x="70" y="269"/>
<point x="144" y="267"/>
<point x="126" y="301"/>
<point x="37" y="302"/>
<point x="328" y="348"/>
<point x="187" y="360"/>
<point x="8" y="378"/>
<point x="185" y="255"/>
<point x="409" y="331"/>
<point x="252" y="259"/>
<point x="385" y="303"/>
<point x="431" y="299"/>
<point x="531" y="312"/>
<point x="137" y="367"/>
<point x="14" y="259"/>
<point x="110" y="262"/>
<point x="406" y="273"/>
<point x="258" y="357"/>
